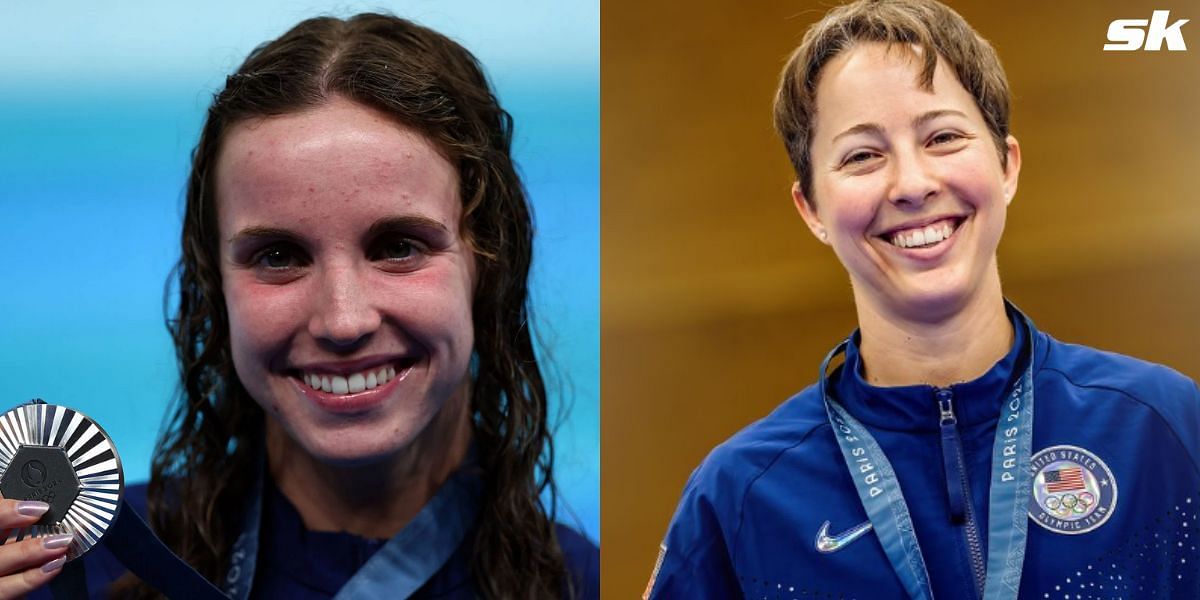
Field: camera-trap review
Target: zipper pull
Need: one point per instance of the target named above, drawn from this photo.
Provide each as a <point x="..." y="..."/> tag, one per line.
<point x="945" y="400"/>
<point x="952" y="454"/>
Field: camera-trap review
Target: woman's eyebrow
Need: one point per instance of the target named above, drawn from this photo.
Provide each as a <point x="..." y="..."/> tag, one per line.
<point x="871" y="128"/>
<point x="253" y="233"/>
<point x="922" y="119"/>
<point x="934" y="114"/>
<point x="384" y="225"/>
<point x="407" y="223"/>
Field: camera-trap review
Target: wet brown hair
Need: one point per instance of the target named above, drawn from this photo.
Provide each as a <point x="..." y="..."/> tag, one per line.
<point x="204" y="463"/>
<point x="923" y="23"/>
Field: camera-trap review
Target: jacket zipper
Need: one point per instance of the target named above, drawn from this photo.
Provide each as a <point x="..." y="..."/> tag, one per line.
<point x="958" y="489"/>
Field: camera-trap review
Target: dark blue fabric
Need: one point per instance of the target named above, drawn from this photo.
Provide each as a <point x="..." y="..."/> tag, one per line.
<point x="301" y="565"/>
<point x="747" y="523"/>
<point x="318" y="564"/>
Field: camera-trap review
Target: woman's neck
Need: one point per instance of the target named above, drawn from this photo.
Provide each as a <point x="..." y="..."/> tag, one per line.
<point x="900" y="351"/>
<point x="374" y="499"/>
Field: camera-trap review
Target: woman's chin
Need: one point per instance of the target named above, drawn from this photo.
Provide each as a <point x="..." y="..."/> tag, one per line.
<point x="352" y="447"/>
<point x="930" y="297"/>
<point x="386" y="434"/>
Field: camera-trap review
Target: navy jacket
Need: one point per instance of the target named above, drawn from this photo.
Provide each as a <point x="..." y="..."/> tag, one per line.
<point x="1116" y="512"/>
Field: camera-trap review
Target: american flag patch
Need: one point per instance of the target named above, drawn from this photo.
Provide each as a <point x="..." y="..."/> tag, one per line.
<point x="1064" y="480"/>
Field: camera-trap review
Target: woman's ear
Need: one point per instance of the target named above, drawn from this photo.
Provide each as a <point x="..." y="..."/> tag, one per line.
<point x="1012" y="169"/>
<point x="808" y="212"/>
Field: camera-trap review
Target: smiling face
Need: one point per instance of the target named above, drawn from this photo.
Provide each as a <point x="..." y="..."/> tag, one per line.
<point x="908" y="188"/>
<point x="346" y="277"/>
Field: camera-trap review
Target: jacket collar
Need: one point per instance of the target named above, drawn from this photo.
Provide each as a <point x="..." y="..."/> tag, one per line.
<point x="914" y="407"/>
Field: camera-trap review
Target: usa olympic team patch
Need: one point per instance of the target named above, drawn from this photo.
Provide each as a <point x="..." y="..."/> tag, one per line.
<point x="1074" y="492"/>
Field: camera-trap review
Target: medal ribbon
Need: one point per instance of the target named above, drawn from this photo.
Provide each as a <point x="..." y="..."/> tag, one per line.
<point x="405" y="563"/>
<point x="414" y="555"/>
<point x="1011" y="486"/>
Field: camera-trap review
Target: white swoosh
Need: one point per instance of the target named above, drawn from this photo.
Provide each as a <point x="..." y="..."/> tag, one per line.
<point x="832" y="543"/>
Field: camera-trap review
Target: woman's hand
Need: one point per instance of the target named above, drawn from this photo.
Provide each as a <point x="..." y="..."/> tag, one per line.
<point x="31" y="563"/>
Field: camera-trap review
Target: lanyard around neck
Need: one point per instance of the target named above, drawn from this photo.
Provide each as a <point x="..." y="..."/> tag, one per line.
<point x="1011" y="485"/>
<point x="397" y="570"/>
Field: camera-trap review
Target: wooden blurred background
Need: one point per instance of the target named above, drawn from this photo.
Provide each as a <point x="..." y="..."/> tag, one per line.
<point x="717" y="304"/>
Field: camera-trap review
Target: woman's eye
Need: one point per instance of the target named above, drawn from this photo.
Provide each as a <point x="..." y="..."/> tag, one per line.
<point x="278" y="257"/>
<point x="858" y="158"/>
<point x="945" y="137"/>
<point x="397" y="250"/>
<point x="402" y="252"/>
<point x="278" y="263"/>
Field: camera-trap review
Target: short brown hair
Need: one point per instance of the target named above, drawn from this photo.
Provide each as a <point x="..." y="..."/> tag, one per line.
<point x="923" y="23"/>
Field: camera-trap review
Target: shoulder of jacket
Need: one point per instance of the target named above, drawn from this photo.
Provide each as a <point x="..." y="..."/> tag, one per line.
<point x="1086" y="367"/>
<point x="732" y="466"/>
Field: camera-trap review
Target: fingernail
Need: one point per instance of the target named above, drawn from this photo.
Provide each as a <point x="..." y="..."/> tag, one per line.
<point x="32" y="508"/>
<point x="58" y="540"/>
<point x="54" y="565"/>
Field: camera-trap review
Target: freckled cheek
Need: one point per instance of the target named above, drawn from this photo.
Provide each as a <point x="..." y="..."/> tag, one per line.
<point x="435" y="306"/>
<point x="261" y="318"/>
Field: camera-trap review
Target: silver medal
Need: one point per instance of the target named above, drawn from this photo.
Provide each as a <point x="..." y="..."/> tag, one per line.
<point x="61" y="457"/>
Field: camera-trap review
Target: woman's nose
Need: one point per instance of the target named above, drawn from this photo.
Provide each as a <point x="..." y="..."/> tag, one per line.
<point x="913" y="181"/>
<point x="344" y="315"/>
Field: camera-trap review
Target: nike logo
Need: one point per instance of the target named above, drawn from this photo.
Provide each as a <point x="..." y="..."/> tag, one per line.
<point x="832" y="543"/>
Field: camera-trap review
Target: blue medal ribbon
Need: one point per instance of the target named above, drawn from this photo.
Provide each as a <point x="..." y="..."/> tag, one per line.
<point x="414" y="555"/>
<point x="405" y="563"/>
<point x="1011" y="485"/>
<point x="402" y="566"/>
<point x="881" y="496"/>
<point x="244" y="553"/>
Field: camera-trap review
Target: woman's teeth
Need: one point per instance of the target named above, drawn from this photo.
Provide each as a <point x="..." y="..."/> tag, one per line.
<point x="924" y="236"/>
<point x="353" y="384"/>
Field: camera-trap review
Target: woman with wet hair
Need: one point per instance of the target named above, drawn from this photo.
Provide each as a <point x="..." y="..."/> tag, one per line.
<point x="948" y="447"/>
<point x="362" y="411"/>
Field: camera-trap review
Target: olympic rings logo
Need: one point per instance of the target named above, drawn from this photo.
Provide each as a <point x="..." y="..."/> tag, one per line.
<point x="1069" y="504"/>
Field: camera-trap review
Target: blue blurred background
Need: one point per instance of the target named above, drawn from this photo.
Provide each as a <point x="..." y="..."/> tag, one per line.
<point x="100" y="106"/>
